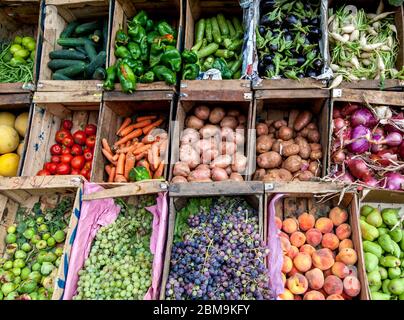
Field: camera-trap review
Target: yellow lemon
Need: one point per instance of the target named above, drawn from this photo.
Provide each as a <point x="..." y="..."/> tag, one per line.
<point x="9" y="164"/>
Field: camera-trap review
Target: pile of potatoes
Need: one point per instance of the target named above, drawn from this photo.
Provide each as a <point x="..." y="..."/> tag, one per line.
<point x="211" y="146"/>
<point x="288" y="153"/>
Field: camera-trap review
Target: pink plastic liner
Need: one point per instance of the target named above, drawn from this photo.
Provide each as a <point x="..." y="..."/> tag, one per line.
<point x="103" y="212"/>
<point x="275" y="257"/>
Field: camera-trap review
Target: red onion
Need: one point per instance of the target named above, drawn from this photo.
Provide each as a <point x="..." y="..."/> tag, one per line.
<point x="359" y="169"/>
<point x="394" y="181"/>
<point x="401" y="150"/>
<point x="391" y="128"/>
<point x="336" y="113"/>
<point x="361" y="144"/>
<point x="385" y="157"/>
<point x="364" y="117"/>
<point x="349" y="108"/>
<point x="393" y="139"/>
<point x="338" y="157"/>
<point x="346" y="177"/>
<point x="376" y="147"/>
<point x="379" y="131"/>
<point x="338" y="124"/>
<point x="371" y="182"/>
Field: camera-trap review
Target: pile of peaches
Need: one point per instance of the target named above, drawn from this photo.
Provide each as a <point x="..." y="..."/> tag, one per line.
<point x="319" y="257"/>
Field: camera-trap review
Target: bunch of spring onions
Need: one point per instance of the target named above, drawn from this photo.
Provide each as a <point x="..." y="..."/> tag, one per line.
<point x="363" y="46"/>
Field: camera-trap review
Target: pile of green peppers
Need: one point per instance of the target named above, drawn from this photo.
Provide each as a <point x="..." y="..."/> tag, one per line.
<point x="146" y="53"/>
<point x="218" y="45"/>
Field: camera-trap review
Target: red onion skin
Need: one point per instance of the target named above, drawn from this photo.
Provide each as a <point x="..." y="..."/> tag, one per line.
<point x="360" y="145"/>
<point x="336" y="113"/>
<point x="349" y="108"/>
<point x="394" y="181"/>
<point x="376" y="147"/>
<point x="363" y="117"/>
<point x="347" y="178"/>
<point x="383" y="157"/>
<point x="359" y="169"/>
<point x="393" y="139"/>
<point x="371" y="182"/>
<point x="379" y="131"/>
<point x="338" y="124"/>
<point x="401" y="150"/>
<point x="338" y="157"/>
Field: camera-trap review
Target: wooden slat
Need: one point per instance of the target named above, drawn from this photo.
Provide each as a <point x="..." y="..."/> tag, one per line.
<point x="371" y="96"/>
<point x="15" y="99"/>
<point x="139" y="95"/>
<point x="222" y="90"/>
<point x="69" y="85"/>
<point x="373" y="85"/>
<point x="81" y="97"/>
<point x="300" y="94"/>
<point x="303" y="187"/>
<point x="215" y="188"/>
<point x="40" y="182"/>
<point x="17" y="87"/>
<point x="288" y="84"/>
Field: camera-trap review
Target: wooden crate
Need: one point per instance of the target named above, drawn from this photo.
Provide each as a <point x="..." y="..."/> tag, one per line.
<point x="373" y="97"/>
<point x="195" y="10"/>
<point x="276" y="105"/>
<point x="124" y="10"/>
<point x="371" y="6"/>
<point x="46" y="120"/>
<point x="17" y="103"/>
<point x="112" y="115"/>
<point x="186" y="104"/>
<point x="177" y="201"/>
<point x="57" y="14"/>
<point x="18" y="193"/>
<point x="304" y="197"/>
<point x="21" y="18"/>
<point x="381" y="199"/>
<point x="287" y="84"/>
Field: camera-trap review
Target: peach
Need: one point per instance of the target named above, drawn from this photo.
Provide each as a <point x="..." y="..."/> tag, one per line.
<point x="338" y="216"/>
<point x="333" y="285"/>
<point x="283" y="279"/>
<point x="283" y="235"/>
<point x="306" y="221"/>
<point x="324" y="225"/>
<point x="278" y="223"/>
<point x="293" y="251"/>
<point x="330" y="241"/>
<point x="289" y="225"/>
<point x="287" y="295"/>
<point x="352" y="286"/>
<point x="347" y="256"/>
<point x="335" y="297"/>
<point x="313" y="295"/>
<point x="323" y="259"/>
<point x="293" y="272"/>
<point x="297" y="284"/>
<point x="345" y="296"/>
<point x="346" y="243"/>
<point x="340" y="270"/>
<point x="298" y="298"/>
<point x="313" y="237"/>
<point x="307" y="248"/>
<point x="327" y="273"/>
<point x="302" y="262"/>
<point x="315" y="278"/>
<point x="343" y="231"/>
<point x="287" y="264"/>
<point x="297" y="239"/>
<point x="353" y="271"/>
<point x="285" y="245"/>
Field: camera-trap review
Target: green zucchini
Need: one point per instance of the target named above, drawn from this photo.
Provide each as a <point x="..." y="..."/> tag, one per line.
<point x="74" y="70"/>
<point x="90" y="49"/>
<point x="67" y="54"/>
<point x="59" y="76"/>
<point x="72" y="42"/>
<point x="57" y="64"/>
<point x="99" y="61"/>
<point x="88" y="27"/>
<point x="68" y="31"/>
<point x="99" y="74"/>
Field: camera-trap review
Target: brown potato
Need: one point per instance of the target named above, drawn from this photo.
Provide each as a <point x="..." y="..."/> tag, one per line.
<point x="230" y="122"/>
<point x="194" y="122"/>
<point x="302" y="120"/>
<point x="305" y="175"/>
<point x="264" y="143"/>
<point x="280" y="123"/>
<point x="216" y="115"/>
<point x="262" y="129"/>
<point x="285" y="133"/>
<point x="316" y="155"/>
<point x="202" y="112"/>
<point x="259" y="174"/>
<point x="291" y="150"/>
<point x="236" y="177"/>
<point x="277" y="175"/>
<point x="315" y="147"/>
<point x="304" y="147"/>
<point x="314" y="168"/>
<point x="292" y="164"/>
<point x="269" y="160"/>
<point x="313" y="136"/>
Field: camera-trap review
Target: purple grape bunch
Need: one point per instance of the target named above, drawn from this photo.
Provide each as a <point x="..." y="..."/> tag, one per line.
<point x="221" y="256"/>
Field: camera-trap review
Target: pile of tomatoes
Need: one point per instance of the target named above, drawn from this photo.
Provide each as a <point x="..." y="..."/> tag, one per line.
<point x="72" y="153"/>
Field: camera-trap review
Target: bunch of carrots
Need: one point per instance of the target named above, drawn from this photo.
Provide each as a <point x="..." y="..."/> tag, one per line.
<point x="138" y="145"/>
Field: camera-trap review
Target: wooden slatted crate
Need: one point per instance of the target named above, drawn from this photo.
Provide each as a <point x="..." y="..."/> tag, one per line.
<point x="16" y="193"/>
<point x="57" y="14"/>
<point x="21" y="18"/>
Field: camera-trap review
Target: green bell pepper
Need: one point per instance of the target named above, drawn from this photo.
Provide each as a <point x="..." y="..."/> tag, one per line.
<point x="189" y="56"/>
<point x="139" y="174"/>
<point x="126" y="77"/>
<point x="109" y="82"/>
<point x="171" y="58"/>
<point x="163" y="73"/>
<point x="121" y="37"/>
<point x="148" y="77"/>
<point x="151" y="36"/>
<point x="221" y="65"/>
<point x="167" y="39"/>
<point x="190" y="72"/>
<point x="136" y="66"/>
<point x="144" y="49"/>
<point x="141" y="18"/>
<point x="164" y="28"/>
<point x="134" y="50"/>
<point x="149" y="25"/>
<point x="122" y="52"/>
<point x="156" y="51"/>
<point x="136" y="33"/>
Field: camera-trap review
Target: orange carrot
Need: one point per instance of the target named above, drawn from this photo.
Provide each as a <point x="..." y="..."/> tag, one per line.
<point x="141" y="156"/>
<point x="125" y="123"/>
<point x="142" y="149"/>
<point x="120" y="164"/>
<point x="128" y="143"/>
<point x="105" y="145"/>
<point x="108" y="155"/>
<point x="155" y="124"/>
<point x="120" y="178"/>
<point x="137" y="125"/>
<point x="129" y="149"/>
<point x="148" y="139"/>
<point x="144" y="163"/>
<point x="129" y="164"/>
<point x="159" y="172"/>
<point x="115" y="157"/>
<point x="134" y="134"/>
<point x="155" y="157"/>
<point x="112" y="175"/>
<point x="139" y="119"/>
<point x="108" y="169"/>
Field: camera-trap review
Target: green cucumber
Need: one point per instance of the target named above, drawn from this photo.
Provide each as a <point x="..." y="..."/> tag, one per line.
<point x="96" y="36"/>
<point x="88" y="27"/>
<point x="99" y="74"/>
<point x="57" y="64"/>
<point x="67" y="54"/>
<point x="68" y="31"/>
<point x="74" y="70"/>
<point x="99" y="61"/>
<point x="81" y="50"/>
<point x="59" y="76"/>
<point x="72" y="42"/>
<point x="90" y="49"/>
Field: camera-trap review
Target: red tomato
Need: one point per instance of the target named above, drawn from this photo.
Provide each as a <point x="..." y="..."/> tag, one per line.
<point x="68" y="141"/>
<point x="85" y="173"/>
<point x="63" y="168"/>
<point x="61" y="134"/>
<point x="55" y="149"/>
<point x="75" y="172"/>
<point x="78" y="162"/>
<point x="67" y="124"/>
<point x="43" y="173"/>
<point x="88" y="165"/>
<point x="88" y="154"/>
<point x="66" y="150"/>
<point x="90" y="130"/>
<point x="66" y="158"/>
<point x="90" y="142"/>
<point x="77" y="150"/>
<point x="80" y="137"/>
<point x="55" y="159"/>
<point x="51" y="167"/>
